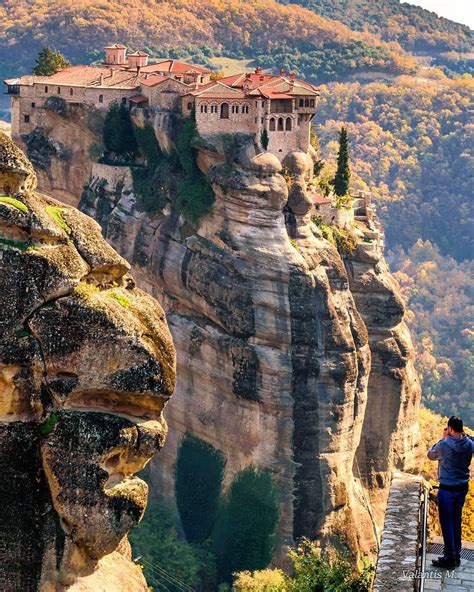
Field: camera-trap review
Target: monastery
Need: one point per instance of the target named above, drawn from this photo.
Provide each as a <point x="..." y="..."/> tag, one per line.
<point x="248" y="102"/>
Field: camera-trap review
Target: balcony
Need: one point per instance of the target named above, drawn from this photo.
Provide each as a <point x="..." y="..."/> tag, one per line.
<point x="13" y="88"/>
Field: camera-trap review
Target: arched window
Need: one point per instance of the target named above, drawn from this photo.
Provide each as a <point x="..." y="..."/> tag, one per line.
<point x="272" y="124"/>
<point x="59" y="90"/>
<point x="101" y="98"/>
<point x="280" y="124"/>
<point x="306" y="102"/>
<point x="288" y="124"/>
<point x="124" y="101"/>
<point x="225" y="111"/>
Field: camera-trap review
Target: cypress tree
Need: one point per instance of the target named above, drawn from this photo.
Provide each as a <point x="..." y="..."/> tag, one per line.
<point x="118" y="132"/>
<point x="264" y="139"/>
<point x="199" y="474"/>
<point x="343" y="173"/>
<point x="48" y="62"/>
<point x="244" y="531"/>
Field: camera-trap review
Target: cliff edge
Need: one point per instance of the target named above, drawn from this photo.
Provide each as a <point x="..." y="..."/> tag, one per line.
<point x="87" y="364"/>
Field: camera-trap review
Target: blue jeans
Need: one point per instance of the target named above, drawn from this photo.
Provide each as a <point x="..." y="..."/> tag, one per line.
<point x="450" y="505"/>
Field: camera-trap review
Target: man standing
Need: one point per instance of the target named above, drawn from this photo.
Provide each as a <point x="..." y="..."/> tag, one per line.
<point x="454" y="453"/>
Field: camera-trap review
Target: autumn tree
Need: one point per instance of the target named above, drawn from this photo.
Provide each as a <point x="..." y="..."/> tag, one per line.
<point x="49" y="62"/>
<point x="343" y="172"/>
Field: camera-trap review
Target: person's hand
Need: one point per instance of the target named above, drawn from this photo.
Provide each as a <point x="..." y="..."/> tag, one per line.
<point x="445" y="434"/>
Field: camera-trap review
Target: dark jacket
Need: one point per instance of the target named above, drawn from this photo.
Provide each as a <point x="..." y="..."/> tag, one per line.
<point x="454" y="455"/>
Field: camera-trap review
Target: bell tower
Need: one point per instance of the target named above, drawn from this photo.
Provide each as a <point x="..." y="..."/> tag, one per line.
<point x="115" y="55"/>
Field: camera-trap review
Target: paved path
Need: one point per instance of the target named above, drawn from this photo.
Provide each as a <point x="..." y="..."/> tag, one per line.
<point x="461" y="579"/>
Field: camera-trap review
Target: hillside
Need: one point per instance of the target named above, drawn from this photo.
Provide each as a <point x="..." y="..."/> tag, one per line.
<point x="416" y="29"/>
<point x="264" y="28"/>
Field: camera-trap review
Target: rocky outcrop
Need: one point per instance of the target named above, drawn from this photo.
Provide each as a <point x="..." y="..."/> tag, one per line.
<point x="60" y="147"/>
<point x="87" y="365"/>
<point x="275" y="331"/>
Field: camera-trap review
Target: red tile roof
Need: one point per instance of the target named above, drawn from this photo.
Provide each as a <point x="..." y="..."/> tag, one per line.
<point x="115" y="46"/>
<point x="320" y="199"/>
<point x="174" y="67"/>
<point x="152" y="80"/>
<point x="138" y="99"/>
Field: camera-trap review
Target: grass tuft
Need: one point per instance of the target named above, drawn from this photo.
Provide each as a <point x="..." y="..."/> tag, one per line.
<point x="16" y="203"/>
<point x="56" y="214"/>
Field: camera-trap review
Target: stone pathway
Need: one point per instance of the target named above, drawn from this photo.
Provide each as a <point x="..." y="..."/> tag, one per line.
<point x="461" y="579"/>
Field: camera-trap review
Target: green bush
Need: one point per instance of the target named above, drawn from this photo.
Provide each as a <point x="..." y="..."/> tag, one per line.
<point x="167" y="560"/>
<point x="148" y="144"/>
<point x="199" y="474"/>
<point x="49" y="62"/>
<point x="244" y="531"/>
<point x="316" y="571"/>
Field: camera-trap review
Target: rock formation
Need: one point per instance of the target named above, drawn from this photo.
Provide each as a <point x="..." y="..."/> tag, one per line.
<point x="87" y="364"/>
<point x="291" y="355"/>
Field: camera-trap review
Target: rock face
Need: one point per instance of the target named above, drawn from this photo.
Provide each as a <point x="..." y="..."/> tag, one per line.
<point x="60" y="146"/>
<point x="87" y="364"/>
<point x="291" y="356"/>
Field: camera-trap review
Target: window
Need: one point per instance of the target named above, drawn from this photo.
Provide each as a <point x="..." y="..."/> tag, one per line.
<point x="203" y="108"/>
<point x="306" y="102"/>
<point x="27" y="118"/>
<point x="288" y="124"/>
<point x="311" y="103"/>
<point x="101" y="98"/>
<point x="71" y="91"/>
<point x="245" y="109"/>
<point x="225" y="111"/>
<point x="272" y="124"/>
<point x="235" y="108"/>
<point x="190" y="106"/>
<point x="301" y="102"/>
<point x="261" y="119"/>
<point x="59" y="90"/>
<point x="46" y="90"/>
<point x="124" y="101"/>
<point x="33" y="105"/>
<point x="280" y="124"/>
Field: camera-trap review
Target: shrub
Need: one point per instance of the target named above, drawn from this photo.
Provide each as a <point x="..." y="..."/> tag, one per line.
<point x="199" y="474"/>
<point x="244" y="532"/>
<point x="264" y="139"/>
<point x="316" y="571"/>
<point x="265" y="580"/>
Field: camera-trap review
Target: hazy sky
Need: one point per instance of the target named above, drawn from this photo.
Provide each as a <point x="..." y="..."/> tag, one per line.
<point x="461" y="11"/>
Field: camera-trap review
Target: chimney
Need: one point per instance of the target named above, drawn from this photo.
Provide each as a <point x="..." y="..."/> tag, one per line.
<point x="101" y="80"/>
<point x="258" y="70"/>
<point x="282" y="72"/>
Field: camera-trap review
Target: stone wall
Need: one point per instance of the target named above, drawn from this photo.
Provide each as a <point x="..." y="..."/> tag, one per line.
<point x="399" y="549"/>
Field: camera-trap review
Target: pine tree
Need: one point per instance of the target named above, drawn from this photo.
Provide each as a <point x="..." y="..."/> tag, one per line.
<point x="343" y="173"/>
<point x="264" y="139"/>
<point x="49" y="62"/>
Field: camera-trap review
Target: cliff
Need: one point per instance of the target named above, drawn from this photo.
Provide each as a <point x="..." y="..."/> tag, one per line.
<point x="87" y="364"/>
<point x="291" y="355"/>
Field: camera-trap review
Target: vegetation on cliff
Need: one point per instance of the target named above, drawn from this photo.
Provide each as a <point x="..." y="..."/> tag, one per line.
<point x="313" y="571"/>
<point x="118" y="136"/>
<point x="343" y="171"/>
